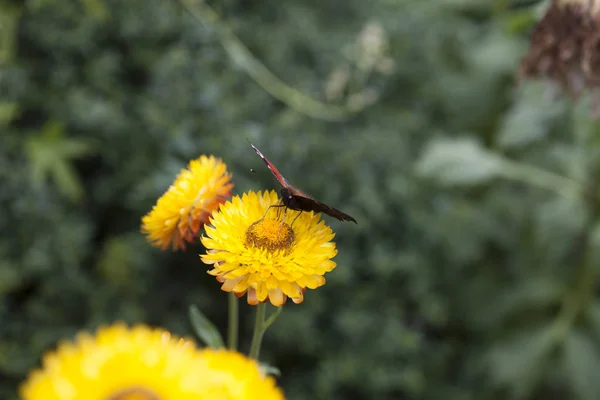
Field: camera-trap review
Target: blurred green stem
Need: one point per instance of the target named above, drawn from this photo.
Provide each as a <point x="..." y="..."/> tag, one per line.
<point x="262" y="75"/>
<point x="261" y="311"/>
<point x="584" y="283"/>
<point x="232" y="335"/>
<point x="566" y="187"/>
<point x="577" y="295"/>
<point x="260" y="327"/>
<point x="272" y="317"/>
<point x="582" y="290"/>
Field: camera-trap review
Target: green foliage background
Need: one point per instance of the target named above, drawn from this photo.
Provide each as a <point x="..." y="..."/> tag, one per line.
<point x="472" y="273"/>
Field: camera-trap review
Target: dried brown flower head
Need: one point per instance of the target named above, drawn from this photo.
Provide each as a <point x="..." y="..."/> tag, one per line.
<point x="565" y="47"/>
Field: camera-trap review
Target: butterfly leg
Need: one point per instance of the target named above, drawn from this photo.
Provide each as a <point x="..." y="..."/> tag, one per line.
<point x="282" y="221"/>
<point x="273" y="206"/>
<point x="294" y="220"/>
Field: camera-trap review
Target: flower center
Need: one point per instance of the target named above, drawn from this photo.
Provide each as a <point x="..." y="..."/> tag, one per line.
<point x="134" y="393"/>
<point x="270" y="235"/>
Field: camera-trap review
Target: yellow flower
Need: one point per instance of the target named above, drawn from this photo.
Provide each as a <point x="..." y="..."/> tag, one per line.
<point x="264" y="255"/>
<point x="188" y="203"/>
<point x="119" y="363"/>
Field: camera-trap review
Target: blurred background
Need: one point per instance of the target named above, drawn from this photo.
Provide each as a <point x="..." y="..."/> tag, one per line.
<point x="472" y="272"/>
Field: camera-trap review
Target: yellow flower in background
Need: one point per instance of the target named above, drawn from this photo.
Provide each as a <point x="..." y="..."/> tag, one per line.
<point x="120" y="363"/>
<point x="267" y="256"/>
<point x="188" y="203"/>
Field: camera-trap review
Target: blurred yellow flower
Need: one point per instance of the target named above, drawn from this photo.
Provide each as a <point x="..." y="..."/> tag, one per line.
<point x="264" y="255"/>
<point x="120" y="363"/>
<point x="188" y="203"/>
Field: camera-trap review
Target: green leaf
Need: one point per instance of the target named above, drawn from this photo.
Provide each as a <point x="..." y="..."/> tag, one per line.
<point x="530" y="117"/>
<point x="51" y="154"/>
<point x="9" y="23"/>
<point x="495" y="53"/>
<point x="7" y="112"/>
<point x="96" y="9"/>
<point x="67" y="181"/>
<point x="517" y="363"/>
<point x="115" y="263"/>
<point x="458" y="162"/>
<point x="558" y="223"/>
<point x="519" y="21"/>
<point x="205" y="329"/>
<point x="467" y="5"/>
<point x="536" y="293"/>
<point x="592" y="315"/>
<point x="267" y="369"/>
<point x="582" y="365"/>
<point x="9" y="277"/>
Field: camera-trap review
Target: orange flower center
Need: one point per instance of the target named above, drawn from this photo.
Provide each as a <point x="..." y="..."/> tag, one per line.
<point x="134" y="393"/>
<point x="270" y="235"/>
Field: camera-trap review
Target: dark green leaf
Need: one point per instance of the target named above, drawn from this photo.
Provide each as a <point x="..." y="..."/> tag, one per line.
<point x="582" y="364"/>
<point x="592" y="314"/>
<point x="205" y="329"/>
<point x="7" y="113"/>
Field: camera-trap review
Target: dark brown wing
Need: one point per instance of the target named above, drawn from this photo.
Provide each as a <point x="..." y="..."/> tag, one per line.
<point x="280" y="178"/>
<point x="302" y="203"/>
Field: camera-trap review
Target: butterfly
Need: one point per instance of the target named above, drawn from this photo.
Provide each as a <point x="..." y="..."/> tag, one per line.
<point x="297" y="200"/>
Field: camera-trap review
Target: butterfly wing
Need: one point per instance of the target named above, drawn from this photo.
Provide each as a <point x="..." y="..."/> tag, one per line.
<point x="303" y="203"/>
<point x="273" y="169"/>
<point x="295" y="199"/>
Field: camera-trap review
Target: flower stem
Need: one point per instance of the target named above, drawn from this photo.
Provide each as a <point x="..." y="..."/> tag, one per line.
<point x="534" y="176"/>
<point x="259" y="330"/>
<point x="273" y="317"/>
<point x="277" y="88"/>
<point x="232" y="334"/>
